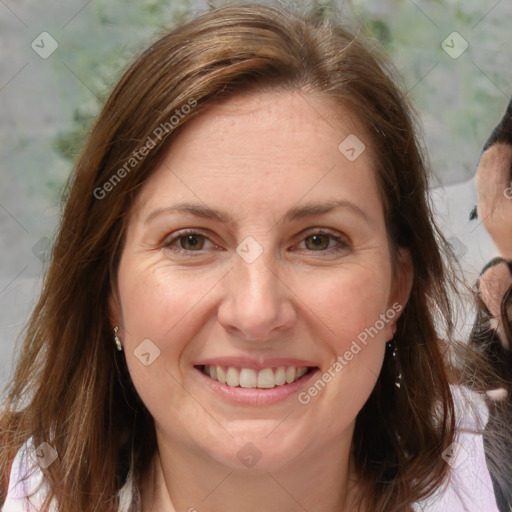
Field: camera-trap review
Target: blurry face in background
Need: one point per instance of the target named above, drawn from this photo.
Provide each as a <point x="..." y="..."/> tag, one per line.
<point x="263" y="293"/>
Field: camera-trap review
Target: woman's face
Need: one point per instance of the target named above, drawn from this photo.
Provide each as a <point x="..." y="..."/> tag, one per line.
<point x="275" y="281"/>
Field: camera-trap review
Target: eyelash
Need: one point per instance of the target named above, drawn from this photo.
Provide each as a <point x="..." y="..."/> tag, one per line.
<point x="343" y="245"/>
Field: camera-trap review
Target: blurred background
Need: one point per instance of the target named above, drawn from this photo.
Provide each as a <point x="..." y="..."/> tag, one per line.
<point x="59" y="60"/>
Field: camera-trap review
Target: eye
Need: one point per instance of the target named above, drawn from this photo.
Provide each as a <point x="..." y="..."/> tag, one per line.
<point x="319" y="242"/>
<point x="189" y="241"/>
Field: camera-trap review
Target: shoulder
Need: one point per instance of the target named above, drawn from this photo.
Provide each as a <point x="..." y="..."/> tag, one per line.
<point x="469" y="488"/>
<point x="27" y="489"/>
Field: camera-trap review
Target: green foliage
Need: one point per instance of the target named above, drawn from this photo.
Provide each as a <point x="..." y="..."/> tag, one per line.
<point x="115" y="33"/>
<point x="460" y="98"/>
<point x="68" y="143"/>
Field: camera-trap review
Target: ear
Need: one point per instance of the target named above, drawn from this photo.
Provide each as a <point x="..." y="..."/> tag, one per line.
<point x="400" y="289"/>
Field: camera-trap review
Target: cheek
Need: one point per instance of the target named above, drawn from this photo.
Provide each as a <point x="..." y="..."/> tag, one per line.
<point x="353" y="307"/>
<point x="352" y="302"/>
<point x="156" y="304"/>
<point x="160" y="306"/>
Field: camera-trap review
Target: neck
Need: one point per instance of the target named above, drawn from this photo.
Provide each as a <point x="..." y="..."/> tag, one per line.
<point x="194" y="482"/>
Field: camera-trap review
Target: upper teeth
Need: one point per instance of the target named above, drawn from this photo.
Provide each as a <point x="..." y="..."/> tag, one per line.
<point x="249" y="378"/>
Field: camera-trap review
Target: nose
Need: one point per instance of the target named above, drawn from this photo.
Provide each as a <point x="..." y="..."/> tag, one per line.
<point x="258" y="303"/>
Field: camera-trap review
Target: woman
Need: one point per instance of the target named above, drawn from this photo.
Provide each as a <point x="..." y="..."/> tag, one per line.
<point x="191" y="350"/>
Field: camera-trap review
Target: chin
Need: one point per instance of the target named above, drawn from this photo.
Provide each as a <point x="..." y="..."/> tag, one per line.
<point x="259" y="450"/>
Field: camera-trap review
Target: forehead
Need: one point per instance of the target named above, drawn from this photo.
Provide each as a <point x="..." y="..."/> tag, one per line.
<point x="268" y="145"/>
<point x="279" y="119"/>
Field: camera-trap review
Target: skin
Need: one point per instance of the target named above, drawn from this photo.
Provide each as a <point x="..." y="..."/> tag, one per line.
<point x="256" y="156"/>
<point x="495" y="208"/>
<point x="495" y="196"/>
<point x="494" y="283"/>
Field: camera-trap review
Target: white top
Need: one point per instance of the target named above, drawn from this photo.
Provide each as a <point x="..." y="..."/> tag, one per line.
<point x="469" y="489"/>
<point x="17" y="496"/>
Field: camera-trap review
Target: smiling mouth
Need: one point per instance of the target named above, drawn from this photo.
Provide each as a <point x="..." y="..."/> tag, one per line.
<point x="249" y="378"/>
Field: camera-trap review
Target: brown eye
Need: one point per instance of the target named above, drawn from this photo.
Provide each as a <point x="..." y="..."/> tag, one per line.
<point x="191" y="242"/>
<point x="318" y="241"/>
<point x="186" y="242"/>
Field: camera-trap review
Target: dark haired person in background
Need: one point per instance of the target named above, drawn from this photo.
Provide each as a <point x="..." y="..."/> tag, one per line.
<point x="492" y="332"/>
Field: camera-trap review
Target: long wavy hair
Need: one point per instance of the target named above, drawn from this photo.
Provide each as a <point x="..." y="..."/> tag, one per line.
<point x="72" y="389"/>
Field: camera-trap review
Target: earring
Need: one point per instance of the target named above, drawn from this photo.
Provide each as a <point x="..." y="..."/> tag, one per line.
<point x="392" y="346"/>
<point x="117" y="340"/>
<point x="398" y="378"/>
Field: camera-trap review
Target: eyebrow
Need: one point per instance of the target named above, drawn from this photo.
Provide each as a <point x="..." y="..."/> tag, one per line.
<point x="294" y="214"/>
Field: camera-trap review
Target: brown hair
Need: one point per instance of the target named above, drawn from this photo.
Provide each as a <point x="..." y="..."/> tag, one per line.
<point x="71" y="387"/>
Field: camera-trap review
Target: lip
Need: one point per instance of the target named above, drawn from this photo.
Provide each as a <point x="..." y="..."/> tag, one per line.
<point x="256" y="396"/>
<point x="255" y="364"/>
